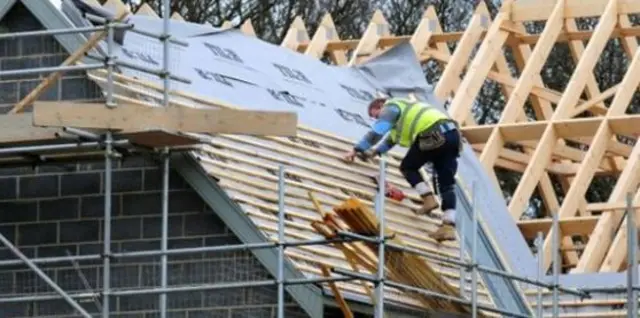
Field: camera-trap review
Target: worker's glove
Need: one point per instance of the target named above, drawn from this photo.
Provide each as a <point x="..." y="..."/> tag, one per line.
<point x="366" y="155"/>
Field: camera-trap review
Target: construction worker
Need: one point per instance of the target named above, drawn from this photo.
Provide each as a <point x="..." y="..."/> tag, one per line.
<point x="431" y="136"/>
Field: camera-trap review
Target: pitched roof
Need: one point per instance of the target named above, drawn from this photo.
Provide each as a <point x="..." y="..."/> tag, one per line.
<point x="244" y="168"/>
<point x="51" y="18"/>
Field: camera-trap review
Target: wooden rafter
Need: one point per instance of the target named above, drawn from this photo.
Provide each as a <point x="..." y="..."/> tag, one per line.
<point x="544" y="140"/>
<point x="546" y="137"/>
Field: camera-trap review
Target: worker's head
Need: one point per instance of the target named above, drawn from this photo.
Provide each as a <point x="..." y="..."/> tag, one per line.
<point x="376" y="106"/>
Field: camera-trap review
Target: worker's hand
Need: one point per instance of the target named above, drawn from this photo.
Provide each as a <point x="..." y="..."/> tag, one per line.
<point x="349" y="156"/>
<point x="365" y="155"/>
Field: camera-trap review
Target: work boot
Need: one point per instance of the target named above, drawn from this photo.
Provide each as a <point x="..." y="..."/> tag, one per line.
<point x="446" y="232"/>
<point x="429" y="203"/>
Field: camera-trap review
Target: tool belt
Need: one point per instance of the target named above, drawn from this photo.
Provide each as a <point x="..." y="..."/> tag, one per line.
<point x="434" y="138"/>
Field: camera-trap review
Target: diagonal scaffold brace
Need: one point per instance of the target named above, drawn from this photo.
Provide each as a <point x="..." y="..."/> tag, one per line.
<point x="72" y="59"/>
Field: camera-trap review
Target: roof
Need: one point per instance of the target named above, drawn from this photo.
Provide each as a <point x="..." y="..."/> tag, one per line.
<point x="245" y="167"/>
<point x="315" y="152"/>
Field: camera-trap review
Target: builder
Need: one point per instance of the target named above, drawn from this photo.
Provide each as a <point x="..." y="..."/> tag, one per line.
<point x="431" y="136"/>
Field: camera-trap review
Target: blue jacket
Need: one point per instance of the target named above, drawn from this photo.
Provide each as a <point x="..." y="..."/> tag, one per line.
<point x="388" y="117"/>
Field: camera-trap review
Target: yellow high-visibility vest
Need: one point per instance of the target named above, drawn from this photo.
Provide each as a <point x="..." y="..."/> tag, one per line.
<point x="415" y="117"/>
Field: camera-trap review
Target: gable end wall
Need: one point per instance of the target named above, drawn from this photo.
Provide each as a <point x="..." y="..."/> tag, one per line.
<point x="49" y="210"/>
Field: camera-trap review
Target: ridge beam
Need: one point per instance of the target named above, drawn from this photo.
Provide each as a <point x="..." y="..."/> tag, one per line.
<point x="541" y="10"/>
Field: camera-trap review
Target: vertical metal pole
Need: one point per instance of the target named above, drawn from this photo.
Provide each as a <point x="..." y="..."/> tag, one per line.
<point x="110" y="63"/>
<point x="556" y="264"/>
<point x="463" y="271"/>
<point x="540" y="259"/>
<point x="632" y="261"/>
<point x="166" y="11"/>
<point x="165" y="231"/>
<point x="379" y="313"/>
<point x="474" y="251"/>
<point x="106" y="277"/>
<point x="281" y="183"/>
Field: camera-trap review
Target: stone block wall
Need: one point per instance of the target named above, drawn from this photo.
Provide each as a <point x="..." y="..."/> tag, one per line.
<point x="54" y="211"/>
<point x="50" y="211"/>
<point x="36" y="52"/>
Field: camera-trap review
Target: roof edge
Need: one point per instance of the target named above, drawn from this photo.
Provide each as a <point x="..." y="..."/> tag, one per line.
<point x="308" y="296"/>
<point x="52" y="18"/>
<point x="5" y="6"/>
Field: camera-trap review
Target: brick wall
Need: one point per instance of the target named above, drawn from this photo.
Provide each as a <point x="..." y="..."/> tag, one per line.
<point x="36" y="52"/>
<point x="48" y="211"/>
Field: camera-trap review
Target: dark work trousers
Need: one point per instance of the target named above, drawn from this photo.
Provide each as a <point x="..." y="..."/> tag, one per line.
<point x="445" y="165"/>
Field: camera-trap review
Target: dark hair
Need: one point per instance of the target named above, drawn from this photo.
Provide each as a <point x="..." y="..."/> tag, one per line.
<point x="378" y="102"/>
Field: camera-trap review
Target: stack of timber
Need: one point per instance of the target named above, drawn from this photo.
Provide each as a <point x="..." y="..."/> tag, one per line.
<point x="400" y="266"/>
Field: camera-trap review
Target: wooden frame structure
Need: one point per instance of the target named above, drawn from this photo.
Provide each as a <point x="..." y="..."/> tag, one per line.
<point x="551" y="144"/>
<point x="573" y="137"/>
<point x="244" y="168"/>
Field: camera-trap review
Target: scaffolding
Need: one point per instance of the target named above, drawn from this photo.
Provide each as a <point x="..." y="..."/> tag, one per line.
<point x="107" y="145"/>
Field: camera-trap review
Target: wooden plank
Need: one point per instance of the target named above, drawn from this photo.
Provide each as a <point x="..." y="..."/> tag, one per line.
<point x="543" y="92"/>
<point x="17" y="128"/>
<point x="443" y="38"/>
<point x="146" y="10"/>
<point x="139" y="118"/>
<point x="541" y="10"/>
<point x="159" y="138"/>
<point x="601" y="237"/>
<point x="247" y="28"/>
<point x="543" y="110"/>
<point x="325" y="33"/>
<point x="606" y="206"/>
<point x="344" y="307"/>
<point x="571" y="96"/>
<point x="523" y="86"/>
<point x="566" y="128"/>
<point x="451" y="74"/>
<point x="368" y="44"/>
<point x="297" y="33"/>
<point x="420" y="38"/>
<point x="481" y="65"/>
<point x="579" y="78"/>
<point x="568" y="226"/>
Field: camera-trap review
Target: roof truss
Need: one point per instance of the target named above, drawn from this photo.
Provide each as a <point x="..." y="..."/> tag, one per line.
<point x="576" y="136"/>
